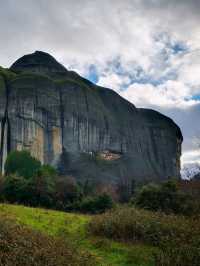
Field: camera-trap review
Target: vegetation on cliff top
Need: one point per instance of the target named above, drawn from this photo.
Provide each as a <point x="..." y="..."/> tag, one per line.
<point x="7" y="73"/>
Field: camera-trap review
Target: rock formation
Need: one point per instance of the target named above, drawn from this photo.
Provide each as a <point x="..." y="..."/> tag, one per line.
<point x="82" y="129"/>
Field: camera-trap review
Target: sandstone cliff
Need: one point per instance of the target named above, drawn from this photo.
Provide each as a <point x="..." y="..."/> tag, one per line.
<point x="82" y="129"/>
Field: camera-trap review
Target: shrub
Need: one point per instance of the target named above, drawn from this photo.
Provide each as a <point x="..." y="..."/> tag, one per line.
<point x="92" y="205"/>
<point x="37" y="190"/>
<point x="177" y="237"/>
<point x="41" y="188"/>
<point x="14" y="189"/>
<point x="177" y="256"/>
<point x="97" y="204"/>
<point x="66" y="191"/>
<point x="149" y="197"/>
<point x="166" y="197"/>
<point x="22" y="164"/>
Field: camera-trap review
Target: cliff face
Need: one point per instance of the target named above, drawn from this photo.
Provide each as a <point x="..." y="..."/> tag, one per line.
<point x="82" y="129"/>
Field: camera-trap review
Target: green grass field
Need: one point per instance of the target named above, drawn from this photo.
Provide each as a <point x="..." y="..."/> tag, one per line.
<point x="73" y="227"/>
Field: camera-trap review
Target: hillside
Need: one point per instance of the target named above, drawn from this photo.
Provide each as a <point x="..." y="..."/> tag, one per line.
<point x="71" y="230"/>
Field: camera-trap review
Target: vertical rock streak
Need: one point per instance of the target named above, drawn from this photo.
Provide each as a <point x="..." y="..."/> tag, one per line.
<point x="62" y="121"/>
<point x="5" y="130"/>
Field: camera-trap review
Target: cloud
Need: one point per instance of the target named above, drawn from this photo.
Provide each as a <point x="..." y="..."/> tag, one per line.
<point x="146" y="50"/>
<point x="191" y="156"/>
<point x="169" y="94"/>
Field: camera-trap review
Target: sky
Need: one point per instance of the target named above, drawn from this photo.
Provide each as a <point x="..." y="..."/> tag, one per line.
<point x="148" y="51"/>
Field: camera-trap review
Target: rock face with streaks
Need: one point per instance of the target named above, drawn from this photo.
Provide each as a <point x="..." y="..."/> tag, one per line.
<point x="82" y="129"/>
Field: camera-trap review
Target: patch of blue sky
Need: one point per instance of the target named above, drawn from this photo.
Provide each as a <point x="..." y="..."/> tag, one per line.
<point x="195" y="97"/>
<point x="143" y="78"/>
<point x="175" y="46"/>
<point x="93" y="74"/>
<point x="178" y="48"/>
<point x="137" y="73"/>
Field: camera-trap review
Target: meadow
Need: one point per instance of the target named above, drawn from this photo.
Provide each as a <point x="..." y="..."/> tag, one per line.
<point x="123" y="236"/>
<point x="61" y="239"/>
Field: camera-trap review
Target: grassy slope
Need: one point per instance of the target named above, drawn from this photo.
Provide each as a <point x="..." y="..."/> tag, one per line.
<point x="73" y="226"/>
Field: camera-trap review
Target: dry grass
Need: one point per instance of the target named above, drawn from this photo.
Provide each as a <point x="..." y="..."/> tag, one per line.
<point x="20" y="246"/>
<point x="177" y="238"/>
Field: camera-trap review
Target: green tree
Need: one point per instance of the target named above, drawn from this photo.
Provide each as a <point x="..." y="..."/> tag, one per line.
<point x="22" y="164"/>
<point x="14" y="189"/>
<point x="149" y="197"/>
<point x="41" y="187"/>
<point x="165" y="197"/>
<point x="97" y="204"/>
<point x="67" y="191"/>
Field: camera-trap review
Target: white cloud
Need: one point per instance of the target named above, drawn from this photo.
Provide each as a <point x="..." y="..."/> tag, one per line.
<point x="192" y="156"/>
<point x="171" y="93"/>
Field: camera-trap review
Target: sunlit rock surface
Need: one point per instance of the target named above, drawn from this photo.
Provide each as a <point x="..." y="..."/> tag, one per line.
<point x="84" y="130"/>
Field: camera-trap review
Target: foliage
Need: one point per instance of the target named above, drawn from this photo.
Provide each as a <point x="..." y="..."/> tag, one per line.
<point x="191" y="191"/>
<point x="93" y="205"/>
<point x="166" y="197"/>
<point x="66" y="192"/>
<point x="97" y="204"/>
<point x="14" y="189"/>
<point x="22" y="164"/>
<point x="23" y="246"/>
<point x="7" y="73"/>
<point x="177" y="237"/>
<point x="41" y="187"/>
<point x="184" y="256"/>
<point x="37" y="190"/>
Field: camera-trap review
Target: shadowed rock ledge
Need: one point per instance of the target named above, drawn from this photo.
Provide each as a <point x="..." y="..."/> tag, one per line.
<point x="82" y="129"/>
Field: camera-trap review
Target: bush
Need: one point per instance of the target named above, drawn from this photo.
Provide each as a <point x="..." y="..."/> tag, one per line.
<point x="38" y="190"/>
<point x="166" y="197"/>
<point x="93" y="205"/>
<point x="41" y="188"/>
<point x="22" y="164"/>
<point x="176" y="237"/>
<point x="66" y="191"/>
<point x="97" y="204"/>
<point x="149" y="197"/>
<point x="14" y="189"/>
<point x="182" y="256"/>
